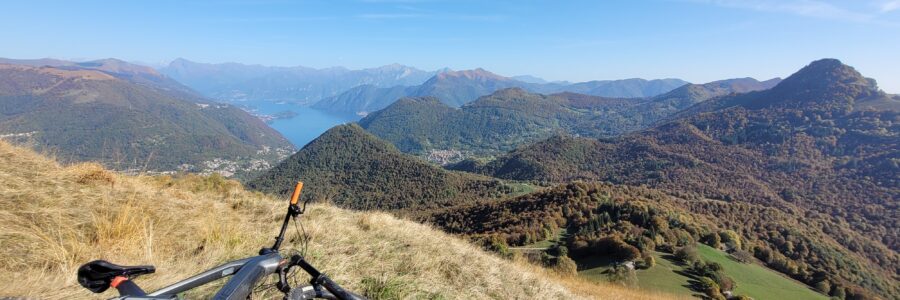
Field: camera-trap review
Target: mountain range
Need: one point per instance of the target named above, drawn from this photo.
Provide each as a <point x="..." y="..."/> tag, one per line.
<point x="798" y="174"/>
<point x="508" y="118"/>
<point x="822" y="145"/>
<point x="303" y="85"/>
<point x="129" y="117"/>
<point x="456" y="88"/>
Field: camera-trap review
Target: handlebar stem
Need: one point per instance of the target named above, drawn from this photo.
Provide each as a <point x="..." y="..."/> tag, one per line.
<point x="293" y="211"/>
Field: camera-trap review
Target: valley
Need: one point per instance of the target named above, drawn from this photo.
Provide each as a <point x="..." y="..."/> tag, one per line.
<point x="778" y="189"/>
<point x="449" y="150"/>
<point x="298" y="124"/>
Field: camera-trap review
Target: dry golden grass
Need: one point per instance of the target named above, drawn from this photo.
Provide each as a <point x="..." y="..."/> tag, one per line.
<point x="54" y="218"/>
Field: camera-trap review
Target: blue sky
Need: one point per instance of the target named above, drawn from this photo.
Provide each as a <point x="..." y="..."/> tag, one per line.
<point x="696" y="40"/>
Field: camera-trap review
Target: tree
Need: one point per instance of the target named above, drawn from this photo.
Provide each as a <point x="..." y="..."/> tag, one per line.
<point x="617" y="248"/>
<point x="622" y="274"/>
<point x="823" y="286"/>
<point x="628" y="252"/>
<point x="498" y="244"/>
<point x="713" y="240"/>
<point x="687" y="254"/>
<point x="839" y="292"/>
<point x="648" y="261"/>
<point x="659" y="224"/>
<point x="730" y="238"/>
<point x="709" y="287"/>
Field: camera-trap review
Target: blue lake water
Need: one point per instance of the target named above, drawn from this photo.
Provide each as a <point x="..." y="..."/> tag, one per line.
<point x="302" y="128"/>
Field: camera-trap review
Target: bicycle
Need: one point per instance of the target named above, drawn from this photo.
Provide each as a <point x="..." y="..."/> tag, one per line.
<point x="99" y="275"/>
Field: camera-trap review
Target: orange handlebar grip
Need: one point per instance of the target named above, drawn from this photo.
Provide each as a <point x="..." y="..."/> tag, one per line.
<point x="296" y="195"/>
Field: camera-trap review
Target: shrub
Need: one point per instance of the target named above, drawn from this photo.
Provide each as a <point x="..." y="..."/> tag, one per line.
<point x="648" y="261"/>
<point x="566" y="266"/>
<point x="667" y="248"/>
<point x="708" y="287"/>
<point x="687" y="254"/>
<point x="712" y="239"/>
<point x="731" y="238"/>
<point x="742" y="256"/>
<point x="622" y="274"/>
<point x="498" y="244"/>
<point x="823" y="286"/>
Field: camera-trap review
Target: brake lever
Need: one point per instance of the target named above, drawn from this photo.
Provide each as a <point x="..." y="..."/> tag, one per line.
<point x="283" y="285"/>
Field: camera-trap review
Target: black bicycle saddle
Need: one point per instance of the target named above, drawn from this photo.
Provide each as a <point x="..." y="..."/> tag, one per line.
<point x="97" y="275"/>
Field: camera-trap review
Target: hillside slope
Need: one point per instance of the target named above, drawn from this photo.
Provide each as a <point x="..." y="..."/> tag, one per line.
<point x="127" y="121"/>
<point x="137" y="74"/>
<point x="185" y="225"/>
<point x="656" y="220"/>
<point x="352" y="168"/>
<point x="492" y="124"/>
<point x="363" y="99"/>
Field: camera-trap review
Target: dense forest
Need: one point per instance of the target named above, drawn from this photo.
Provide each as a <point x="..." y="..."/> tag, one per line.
<point x="625" y="222"/>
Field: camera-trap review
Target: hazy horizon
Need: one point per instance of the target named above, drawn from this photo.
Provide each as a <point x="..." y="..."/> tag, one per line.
<point x="694" y="40"/>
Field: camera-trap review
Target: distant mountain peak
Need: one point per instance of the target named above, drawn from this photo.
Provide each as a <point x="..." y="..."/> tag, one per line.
<point x="826" y="80"/>
<point x="476" y="74"/>
<point x="827" y="72"/>
<point x="180" y="61"/>
<point x="530" y="79"/>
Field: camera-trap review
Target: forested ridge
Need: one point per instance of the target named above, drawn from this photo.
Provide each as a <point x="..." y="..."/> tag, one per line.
<point x="355" y="169"/>
<point x="509" y="118"/>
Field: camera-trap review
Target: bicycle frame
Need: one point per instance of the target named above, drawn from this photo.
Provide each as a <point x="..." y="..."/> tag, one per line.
<point x="246" y="272"/>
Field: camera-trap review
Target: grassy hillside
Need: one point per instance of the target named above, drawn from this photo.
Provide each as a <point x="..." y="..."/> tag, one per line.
<point x="54" y="218"/>
<point x="668" y="275"/>
<point x="756" y="281"/>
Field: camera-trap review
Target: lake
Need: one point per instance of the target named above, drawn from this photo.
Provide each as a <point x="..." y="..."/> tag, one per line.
<point x="302" y="128"/>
